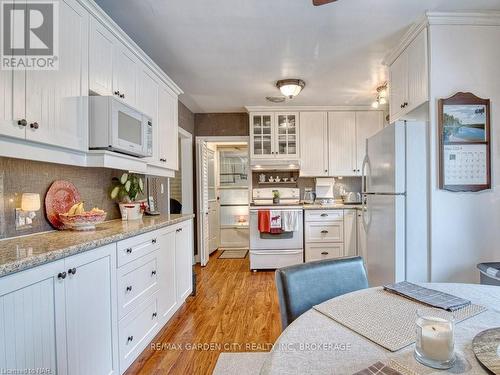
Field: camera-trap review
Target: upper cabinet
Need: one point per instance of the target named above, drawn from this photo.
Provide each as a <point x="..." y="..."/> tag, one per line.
<point x="408" y="75"/>
<point x="49" y="106"/>
<point x="314" y="144"/>
<point x="168" y="139"/>
<point x="274" y="135"/>
<point x="342" y="143"/>
<point x="125" y="78"/>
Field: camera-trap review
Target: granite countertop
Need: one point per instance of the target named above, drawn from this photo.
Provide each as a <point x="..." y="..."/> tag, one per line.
<point x="334" y="206"/>
<point x="20" y="253"/>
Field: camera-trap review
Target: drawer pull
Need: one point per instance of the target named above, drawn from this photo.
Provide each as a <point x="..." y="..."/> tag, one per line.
<point x="129" y="288"/>
<point x="324" y="215"/>
<point x="130" y="339"/>
<point x="129" y="250"/>
<point x="324" y="232"/>
<point x="178" y="230"/>
<point x="324" y="253"/>
<point x="155" y="315"/>
<point x="153" y="272"/>
<point x="153" y="240"/>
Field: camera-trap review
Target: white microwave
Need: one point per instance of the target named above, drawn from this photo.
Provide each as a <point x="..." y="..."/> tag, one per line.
<point x="115" y="126"/>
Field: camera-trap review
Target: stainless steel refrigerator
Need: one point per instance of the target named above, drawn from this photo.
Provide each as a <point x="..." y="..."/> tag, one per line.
<point x="395" y="204"/>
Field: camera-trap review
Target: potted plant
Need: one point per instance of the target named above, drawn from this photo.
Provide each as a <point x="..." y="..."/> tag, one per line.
<point x="125" y="190"/>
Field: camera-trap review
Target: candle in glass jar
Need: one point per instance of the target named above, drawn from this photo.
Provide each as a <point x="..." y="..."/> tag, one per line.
<point x="436" y="338"/>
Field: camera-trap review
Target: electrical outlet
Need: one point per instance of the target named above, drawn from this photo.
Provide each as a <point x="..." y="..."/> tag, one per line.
<point x="162" y="190"/>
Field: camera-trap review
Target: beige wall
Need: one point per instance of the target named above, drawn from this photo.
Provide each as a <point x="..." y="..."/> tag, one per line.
<point x="221" y="124"/>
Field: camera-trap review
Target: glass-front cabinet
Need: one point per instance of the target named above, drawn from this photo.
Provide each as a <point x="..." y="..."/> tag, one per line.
<point x="274" y="135"/>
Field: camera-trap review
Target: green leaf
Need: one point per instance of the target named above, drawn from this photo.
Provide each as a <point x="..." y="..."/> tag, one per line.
<point x="127" y="185"/>
<point x="123" y="178"/>
<point x="141" y="185"/>
<point x="114" y="192"/>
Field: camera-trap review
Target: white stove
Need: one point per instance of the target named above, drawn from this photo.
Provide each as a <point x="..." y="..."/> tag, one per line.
<point x="271" y="251"/>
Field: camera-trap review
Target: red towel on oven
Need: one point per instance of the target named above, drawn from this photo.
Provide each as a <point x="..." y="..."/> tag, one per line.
<point x="264" y="221"/>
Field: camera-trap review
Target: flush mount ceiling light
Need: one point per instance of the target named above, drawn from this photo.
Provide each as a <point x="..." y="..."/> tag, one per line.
<point x="290" y="87"/>
<point x="381" y="96"/>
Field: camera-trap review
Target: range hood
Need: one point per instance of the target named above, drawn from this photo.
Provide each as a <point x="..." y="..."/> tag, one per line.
<point x="275" y="165"/>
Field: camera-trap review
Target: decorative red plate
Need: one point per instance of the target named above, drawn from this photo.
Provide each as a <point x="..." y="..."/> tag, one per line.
<point x="59" y="199"/>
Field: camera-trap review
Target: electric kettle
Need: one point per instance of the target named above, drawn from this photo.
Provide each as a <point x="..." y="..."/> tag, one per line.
<point x="352" y="197"/>
<point x="309" y="196"/>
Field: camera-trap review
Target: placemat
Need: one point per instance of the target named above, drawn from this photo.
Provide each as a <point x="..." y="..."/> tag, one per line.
<point x="428" y="296"/>
<point x="385" y="318"/>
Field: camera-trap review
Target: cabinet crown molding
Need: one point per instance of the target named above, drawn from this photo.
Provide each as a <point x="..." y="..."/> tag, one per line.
<point x="310" y="108"/>
<point x="477" y="18"/>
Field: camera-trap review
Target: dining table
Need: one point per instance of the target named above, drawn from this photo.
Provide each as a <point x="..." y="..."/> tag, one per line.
<point x="316" y="344"/>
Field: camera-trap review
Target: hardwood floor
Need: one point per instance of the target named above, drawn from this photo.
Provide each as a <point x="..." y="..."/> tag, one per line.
<point x="234" y="310"/>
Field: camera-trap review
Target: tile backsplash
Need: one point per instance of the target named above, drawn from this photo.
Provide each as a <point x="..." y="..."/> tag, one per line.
<point x="24" y="176"/>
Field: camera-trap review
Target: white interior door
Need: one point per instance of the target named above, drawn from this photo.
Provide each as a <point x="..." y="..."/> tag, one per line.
<point x="203" y="213"/>
<point x="213" y="203"/>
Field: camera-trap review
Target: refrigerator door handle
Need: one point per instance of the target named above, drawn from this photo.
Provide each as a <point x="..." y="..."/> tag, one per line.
<point x="363" y="176"/>
<point x="366" y="213"/>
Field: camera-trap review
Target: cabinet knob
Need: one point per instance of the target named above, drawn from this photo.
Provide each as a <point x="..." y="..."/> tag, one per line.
<point x="72" y="271"/>
<point x="324" y="253"/>
<point x="163" y="160"/>
<point x="129" y="288"/>
<point x="155" y="315"/>
<point x="324" y="232"/>
<point x="122" y="96"/>
<point x="117" y="93"/>
<point x="34" y="125"/>
<point x="61" y="275"/>
<point x="153" y="240"/>
<point x="22" y="122"/>
<point x="153" y="272"/>
<point x="129" y="250"/>
<point x="130" y="339"/>
<point x="324" y="215"/>
<point x="406" y="104"/>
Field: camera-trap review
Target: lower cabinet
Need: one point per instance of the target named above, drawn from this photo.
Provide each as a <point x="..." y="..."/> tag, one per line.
<point x="88" y="313"/>
<point x="61" y="316"/>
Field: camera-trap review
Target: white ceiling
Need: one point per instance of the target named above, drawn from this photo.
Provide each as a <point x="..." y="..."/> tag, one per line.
<point x="226" y="54"/>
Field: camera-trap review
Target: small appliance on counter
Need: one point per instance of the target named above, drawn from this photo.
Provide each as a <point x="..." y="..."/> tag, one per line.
<point x="325" y="191"/>
<point x="351" y="197"/>
<point x="309" y="196"/>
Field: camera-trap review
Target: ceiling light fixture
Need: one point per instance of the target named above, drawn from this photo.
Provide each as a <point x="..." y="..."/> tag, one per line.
<point x="290" y="87"/>
<point x="381" y="96"/>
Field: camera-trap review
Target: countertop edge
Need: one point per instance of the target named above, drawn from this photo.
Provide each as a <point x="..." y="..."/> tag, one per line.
<point x="8" y="269"/>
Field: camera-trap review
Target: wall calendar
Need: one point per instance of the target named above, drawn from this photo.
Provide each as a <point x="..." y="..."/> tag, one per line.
<point x="464" y="134"/>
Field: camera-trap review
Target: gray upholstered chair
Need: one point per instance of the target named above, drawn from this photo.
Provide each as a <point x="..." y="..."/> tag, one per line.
<point x="302" y="286"/>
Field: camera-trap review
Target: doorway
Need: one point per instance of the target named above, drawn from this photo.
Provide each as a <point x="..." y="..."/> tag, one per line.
<point x="222" y="194"/>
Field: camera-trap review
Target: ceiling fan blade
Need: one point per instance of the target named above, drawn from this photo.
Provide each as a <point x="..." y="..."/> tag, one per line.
<point x="322" y="2"/>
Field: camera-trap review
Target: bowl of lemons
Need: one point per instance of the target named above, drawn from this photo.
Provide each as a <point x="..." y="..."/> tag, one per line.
<point x="79" y="219"/>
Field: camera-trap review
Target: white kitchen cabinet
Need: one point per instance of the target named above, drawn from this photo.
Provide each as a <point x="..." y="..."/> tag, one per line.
<point x="168" y="123"/>
<point x="102" y="50"/>
<point x="274" y="135"/>
<point x="126" y="70"/>
<point x="342" y="143"/>
<point x="184" y="260"/>
<point x="361" y="234"/>
<point x="8" y="121"/>
<point x="319" y="251"/>
<point x="367" y="124"/>
<point x="147" y="102"/>
<point x="350" y="234"/>
<point x="32" y="329"/>
<point x="55" y="104"/>
<point x="90" y="293"/>
<point x="167" y="299"/>
<point x="313" y="144"/>
<point x="61" y="316"/>
<point x="408" y="76"/>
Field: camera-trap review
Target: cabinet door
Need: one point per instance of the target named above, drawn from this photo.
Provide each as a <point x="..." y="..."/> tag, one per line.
<point x="367" y="124"/>
<point x="167" y="298"/>
<point x="361" y="244"/>
<point x="418" y="76"/>
<point x="101" y="54"/>
<point x="90" y="294"/>
<point x="13" y="100"/>
<point x="342" y="143"/>
<point x="56" y="108"/>
<point x="313" y="144"/>
<point x="125" y="72"/>
<point x="147" y="102"/>
<point x="286" y="135"/>
<point x="168" y="124"/>
<point x="350" y="240"/>
<point x="184" y="261"/>
<point x="32" y="322"/>
<point x="261" y="135"/>
<point x="398" y="87"/>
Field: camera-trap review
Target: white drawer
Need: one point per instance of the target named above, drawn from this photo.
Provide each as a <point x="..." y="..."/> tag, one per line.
<point x="136" y="282"/>
<point x="325" y="232"/>
<point x="136" y="247"/>
<point x="272" y="259"/>
<point x="324" y="215"/>
<point x="136" y="330"/>
<point x="318" y="251"/>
